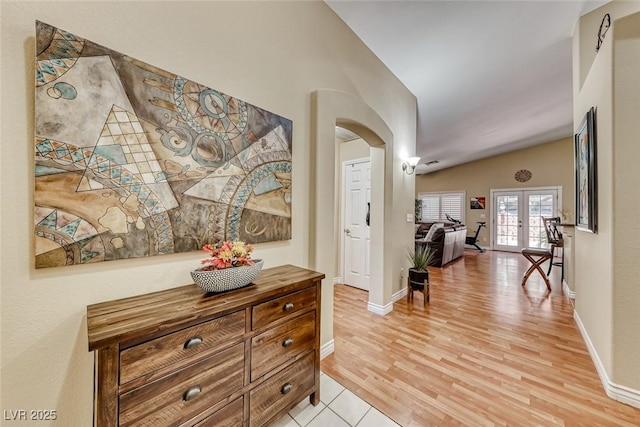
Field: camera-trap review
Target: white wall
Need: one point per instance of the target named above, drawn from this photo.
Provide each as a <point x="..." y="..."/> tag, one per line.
<point x="606" y="263"/>
<point x="352" y="150"/>
<point x="587" y="32"/>
<point x="270" y="54"/>
<point x="593" y="252"/>
<point x="626" y="205"/>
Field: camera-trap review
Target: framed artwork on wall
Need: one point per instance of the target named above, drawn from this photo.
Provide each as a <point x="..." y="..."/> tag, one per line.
<point x="586" y="181"/>
<point x="135" y="161"/>
<point x="477" y="202"/>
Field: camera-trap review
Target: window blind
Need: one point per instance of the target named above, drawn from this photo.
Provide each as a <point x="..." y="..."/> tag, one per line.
<point x="430" y="208"/>
<point x="452" y="205"/>
<point x="435" y="206"/>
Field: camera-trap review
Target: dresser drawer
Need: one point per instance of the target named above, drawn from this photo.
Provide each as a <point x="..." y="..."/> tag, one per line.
<point x="191" y="342"/>
<point x="229" y="416"/>
<point x="281" y="391"/>
<point x="277" y="345"/>
<point x="180" y="396"/>
<point x="270" y="311"/>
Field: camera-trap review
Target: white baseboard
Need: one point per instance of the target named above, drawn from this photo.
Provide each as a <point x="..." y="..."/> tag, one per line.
<point x="387" y="308"/>
<point x="568" y="292"/>
<point x="399" y="295"/>
<point x="615" y="391"/>
<point x="327" y="349"/>
<point x="380" y="309"/>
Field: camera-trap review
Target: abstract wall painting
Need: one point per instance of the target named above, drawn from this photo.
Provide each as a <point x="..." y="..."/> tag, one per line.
<point x="134" y="161"/>
<point x="586" y="178"/>
<point x="477" y="202"/>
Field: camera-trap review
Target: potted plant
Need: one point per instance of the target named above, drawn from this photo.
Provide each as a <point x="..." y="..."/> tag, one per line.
<point x="420" y="259"/>
<point x="229" y="267"/>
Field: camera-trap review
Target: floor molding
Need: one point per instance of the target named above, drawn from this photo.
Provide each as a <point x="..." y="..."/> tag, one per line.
<point x="327" y="349"/>
<point x="615" y="391"/>
<point x="399" y="295"/>
<point x="387" y="308"/>
<point x="567" y="291"/>
<point x="380" y="309"/>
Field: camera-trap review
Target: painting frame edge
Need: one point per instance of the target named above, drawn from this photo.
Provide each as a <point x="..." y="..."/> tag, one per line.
<point x="587" y="126"/>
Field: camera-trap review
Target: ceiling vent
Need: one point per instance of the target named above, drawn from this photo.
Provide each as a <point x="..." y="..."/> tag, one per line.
<point x="432" y="162"/>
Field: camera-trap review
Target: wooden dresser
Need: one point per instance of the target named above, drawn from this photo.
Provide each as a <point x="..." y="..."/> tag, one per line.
<point x="181" y="357"/>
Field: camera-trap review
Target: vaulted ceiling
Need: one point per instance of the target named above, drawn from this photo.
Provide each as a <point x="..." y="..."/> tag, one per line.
<point x="489" y="76"/>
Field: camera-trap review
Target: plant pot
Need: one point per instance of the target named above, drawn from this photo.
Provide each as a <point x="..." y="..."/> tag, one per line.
<point x="228" y="278"/>
<point x="417" y="278"/>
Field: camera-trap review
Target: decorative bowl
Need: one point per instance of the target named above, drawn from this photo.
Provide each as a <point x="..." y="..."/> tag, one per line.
<point x="228" y="278"/>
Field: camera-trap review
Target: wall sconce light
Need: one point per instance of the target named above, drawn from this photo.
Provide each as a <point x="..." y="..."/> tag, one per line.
<point x="409" y="166"/>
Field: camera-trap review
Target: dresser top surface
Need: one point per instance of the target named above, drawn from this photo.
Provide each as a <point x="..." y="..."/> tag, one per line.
<point x="118" y="320"/>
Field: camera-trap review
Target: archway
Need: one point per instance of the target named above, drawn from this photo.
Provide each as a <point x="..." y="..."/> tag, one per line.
<point x="329" y="109"/>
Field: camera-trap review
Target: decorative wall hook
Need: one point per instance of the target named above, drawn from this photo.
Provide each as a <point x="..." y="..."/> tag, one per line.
<point x="604" y="26"/>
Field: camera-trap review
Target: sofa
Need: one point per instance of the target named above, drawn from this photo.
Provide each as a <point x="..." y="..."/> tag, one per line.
<point x="447" y="242"/>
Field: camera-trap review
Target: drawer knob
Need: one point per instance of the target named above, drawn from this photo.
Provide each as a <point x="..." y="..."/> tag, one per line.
<point x="287" y="342"/>
<point x="192" y="342"/>
<point x="288" y="307"/>
<point x="286" y="388"/>
<point x="192" y="393"/>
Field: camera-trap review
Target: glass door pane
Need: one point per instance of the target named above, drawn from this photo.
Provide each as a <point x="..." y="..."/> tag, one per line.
<point x="541" y="204"/>
<point x="517" y="218"/>
<point x="507" y="221"/>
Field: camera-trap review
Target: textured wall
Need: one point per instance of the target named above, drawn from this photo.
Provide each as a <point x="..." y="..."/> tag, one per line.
<point x="606" y="267"/>
<point x="626" y="181"/>
<point x="593" y="260"/>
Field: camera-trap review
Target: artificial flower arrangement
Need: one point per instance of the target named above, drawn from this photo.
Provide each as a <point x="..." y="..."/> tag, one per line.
<point x="228" y="254"/>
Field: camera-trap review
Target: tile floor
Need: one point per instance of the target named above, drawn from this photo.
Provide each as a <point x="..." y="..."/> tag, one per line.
<point x="338" y="407"/>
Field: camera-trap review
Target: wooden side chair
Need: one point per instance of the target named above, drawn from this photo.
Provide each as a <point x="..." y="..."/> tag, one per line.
<point x="554" y="237"/>
<point x="536" y="257"/>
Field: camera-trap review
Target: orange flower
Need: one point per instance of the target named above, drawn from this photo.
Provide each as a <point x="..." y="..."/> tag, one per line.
<point x="228" y="254"/>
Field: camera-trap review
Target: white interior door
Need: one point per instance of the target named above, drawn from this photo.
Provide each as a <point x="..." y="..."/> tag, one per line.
<point x="357" y="242"/>
<point x="517" y="218"/>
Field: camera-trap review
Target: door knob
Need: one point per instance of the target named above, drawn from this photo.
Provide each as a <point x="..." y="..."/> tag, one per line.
<point x="347" y="231"/>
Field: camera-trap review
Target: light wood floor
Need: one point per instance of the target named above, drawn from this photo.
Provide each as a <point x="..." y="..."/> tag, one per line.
<point x="484" y="352"/>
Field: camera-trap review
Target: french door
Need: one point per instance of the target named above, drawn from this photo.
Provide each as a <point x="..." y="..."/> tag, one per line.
<point x="517" y="217"/>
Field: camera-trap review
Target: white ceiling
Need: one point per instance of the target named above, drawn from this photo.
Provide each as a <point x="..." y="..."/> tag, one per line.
<point x="489" y="76"/>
